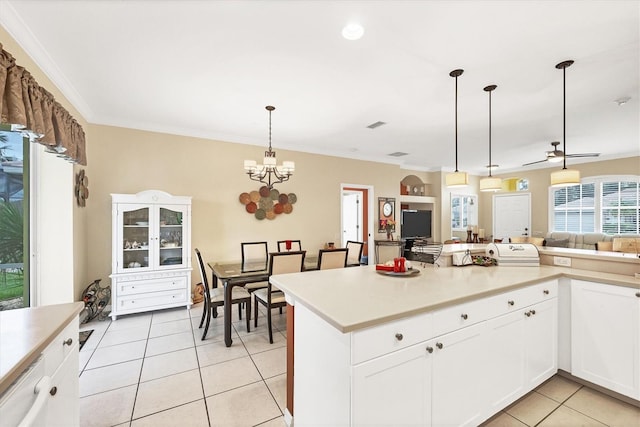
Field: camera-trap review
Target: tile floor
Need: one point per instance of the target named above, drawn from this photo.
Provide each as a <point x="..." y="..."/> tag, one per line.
<point x="152" y="369"/>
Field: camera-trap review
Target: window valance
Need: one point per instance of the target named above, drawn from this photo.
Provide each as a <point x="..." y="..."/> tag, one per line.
<point x="30" y="108"/>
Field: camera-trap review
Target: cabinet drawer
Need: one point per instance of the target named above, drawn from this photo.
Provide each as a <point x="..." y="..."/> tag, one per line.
<point x="460" y="316"/>
<point x="520" y="298"/>
<point x="65" y="342"/>
<point x="155" y="285"/>
<point x="378" y="340"/>
<point x="136" y="302"/>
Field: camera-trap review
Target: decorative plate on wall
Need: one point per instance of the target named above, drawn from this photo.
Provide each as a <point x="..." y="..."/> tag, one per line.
<point x="82" y="188"/>
<point x="267" y="203"/>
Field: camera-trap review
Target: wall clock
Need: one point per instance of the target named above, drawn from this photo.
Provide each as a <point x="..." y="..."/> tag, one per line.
<point x="387" y="209"/>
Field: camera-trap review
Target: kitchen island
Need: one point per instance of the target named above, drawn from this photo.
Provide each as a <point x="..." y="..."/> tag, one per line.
<point x="449" y="346"/>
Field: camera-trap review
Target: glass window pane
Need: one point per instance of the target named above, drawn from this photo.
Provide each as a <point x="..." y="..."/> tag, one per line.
<point x="14" y="214"/>
<point x="610" y="221"/>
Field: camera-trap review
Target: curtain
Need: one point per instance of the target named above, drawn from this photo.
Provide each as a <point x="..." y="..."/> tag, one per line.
<point x="33" y="110"/>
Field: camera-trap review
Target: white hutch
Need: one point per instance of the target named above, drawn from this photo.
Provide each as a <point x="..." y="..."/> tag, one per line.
<point x="151" y="252"/>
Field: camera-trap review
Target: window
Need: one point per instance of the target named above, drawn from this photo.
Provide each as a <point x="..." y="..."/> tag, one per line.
<point x="607" y="204"/>
<point x="14" y="220"/>
<point x="463" y="211"/>
<point x="620" y="207"/>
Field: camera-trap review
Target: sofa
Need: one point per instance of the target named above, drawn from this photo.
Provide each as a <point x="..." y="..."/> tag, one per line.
<point x="565" y="239"/>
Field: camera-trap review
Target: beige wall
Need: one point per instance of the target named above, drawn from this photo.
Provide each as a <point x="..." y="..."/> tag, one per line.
<point x="539" y="180"/>
<point x="129" y="161"/>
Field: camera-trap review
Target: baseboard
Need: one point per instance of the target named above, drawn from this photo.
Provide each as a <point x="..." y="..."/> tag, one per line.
<point x="601" y="389"/>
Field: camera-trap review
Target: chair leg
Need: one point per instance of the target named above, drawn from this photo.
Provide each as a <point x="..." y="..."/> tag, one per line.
<point x="255" y="313"/>
<point x="248" y="314"/>
<point x="205" y="308"/>
<point x="269" y="323"/>
<point x="280" y="310"/>
<point x="240" y="310"/>
<point x="206" y="326"/>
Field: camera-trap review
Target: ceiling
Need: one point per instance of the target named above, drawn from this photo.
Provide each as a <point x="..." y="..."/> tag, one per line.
<point x="208" y="69"/>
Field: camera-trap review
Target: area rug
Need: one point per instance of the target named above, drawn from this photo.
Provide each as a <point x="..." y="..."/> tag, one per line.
<point x="84" y="336"/>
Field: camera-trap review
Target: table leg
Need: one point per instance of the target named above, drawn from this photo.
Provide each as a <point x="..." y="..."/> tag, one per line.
<point x="227" y="313"/>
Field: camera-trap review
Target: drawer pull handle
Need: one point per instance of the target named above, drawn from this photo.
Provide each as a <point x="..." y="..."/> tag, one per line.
<point x="511" y="302"/>
<point x="68" y="342"/>
<point x="528" y="314"/>
<point x="638" y="294"/>
<point x="464" y="316"/>
<point x="533" y="312"/>
<point x="429" y="349"/>
<point x="53" y="391"/>
<point x="399" y="337"/>
<point x="546" y="292"/>
<point x="439" y="345"/>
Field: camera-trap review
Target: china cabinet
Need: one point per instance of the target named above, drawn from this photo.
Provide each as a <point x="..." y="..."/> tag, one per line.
<point x="151" y="252"/>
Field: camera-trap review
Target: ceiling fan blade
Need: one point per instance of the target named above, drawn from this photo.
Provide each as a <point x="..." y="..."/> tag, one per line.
<point x="584" y="155"/>
<point x="533" y="163"/>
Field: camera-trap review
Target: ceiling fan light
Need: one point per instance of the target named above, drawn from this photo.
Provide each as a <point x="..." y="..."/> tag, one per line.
<point x="490" y="184"/>
<point x="565" y="178"/>
<point x="554" y="159"/>
<point x="457" y="179"/>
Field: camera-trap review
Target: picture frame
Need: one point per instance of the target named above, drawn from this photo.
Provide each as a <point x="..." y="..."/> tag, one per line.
<point x="386" y="214"/>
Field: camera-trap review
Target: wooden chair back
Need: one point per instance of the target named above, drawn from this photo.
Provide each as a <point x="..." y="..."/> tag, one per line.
<point x="286" y="262"/>
<point x="332" y="258"/>
<point x="354" y="252"/>
<point x="295" y="245"/>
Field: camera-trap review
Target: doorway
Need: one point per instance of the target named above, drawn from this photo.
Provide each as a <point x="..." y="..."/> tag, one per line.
<point x="511" y="215"/>
<point x="356" y="215"/>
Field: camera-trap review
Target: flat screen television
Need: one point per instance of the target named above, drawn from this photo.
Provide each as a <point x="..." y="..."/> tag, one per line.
<point x="415" y="223"/>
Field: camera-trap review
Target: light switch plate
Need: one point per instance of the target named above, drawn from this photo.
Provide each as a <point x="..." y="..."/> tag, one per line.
<point x="562" y="261"/>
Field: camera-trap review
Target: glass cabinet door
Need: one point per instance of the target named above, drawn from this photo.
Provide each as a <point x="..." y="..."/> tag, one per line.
<point x="171" y="252"/>
<point x="135" y="238"/>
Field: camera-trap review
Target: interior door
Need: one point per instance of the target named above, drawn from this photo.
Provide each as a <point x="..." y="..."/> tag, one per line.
<point x="511" y="215"/>
<point x="351" y="217"/>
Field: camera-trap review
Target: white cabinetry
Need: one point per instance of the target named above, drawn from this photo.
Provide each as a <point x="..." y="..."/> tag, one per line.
<point x="605" y="327"/>
<point x="456" y="366"/>
<point x="151" y="252"/>
<point x="378" y="401"/>
<point x="47" y="394"/>
<point x="459" y="377"/>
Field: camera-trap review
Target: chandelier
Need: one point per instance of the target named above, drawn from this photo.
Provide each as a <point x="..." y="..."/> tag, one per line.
<point x="269" y="173"/>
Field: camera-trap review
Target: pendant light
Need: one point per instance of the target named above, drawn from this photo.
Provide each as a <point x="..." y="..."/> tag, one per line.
<point x="457" y="178"/>
<point x="490" y="183"/>
<point x="564" y="177"/>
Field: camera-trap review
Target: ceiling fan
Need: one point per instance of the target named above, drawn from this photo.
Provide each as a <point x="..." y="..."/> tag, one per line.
<point x="556" y="155"/>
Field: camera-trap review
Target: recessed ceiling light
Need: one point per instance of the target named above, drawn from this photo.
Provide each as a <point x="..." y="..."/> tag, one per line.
<point x="352" y="31"/>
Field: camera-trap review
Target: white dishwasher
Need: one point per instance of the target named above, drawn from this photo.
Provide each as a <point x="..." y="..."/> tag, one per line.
<point x="24" y="403"/>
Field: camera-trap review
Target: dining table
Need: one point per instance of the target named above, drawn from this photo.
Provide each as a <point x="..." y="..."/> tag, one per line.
<point x="235" y="273"/>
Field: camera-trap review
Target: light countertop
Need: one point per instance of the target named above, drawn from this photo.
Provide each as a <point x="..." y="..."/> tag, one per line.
<point x="26" y="332"/>
<point x="358" y="297"/>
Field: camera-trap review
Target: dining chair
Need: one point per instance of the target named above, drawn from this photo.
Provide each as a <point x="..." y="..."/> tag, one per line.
<point x="332" y="258"/>
<point x="294" y="245"/>
<point x="214" y="297"/>
<point x="255" y="257"/>
<point x="271" y="296"/>
<point x="354" y="253"/>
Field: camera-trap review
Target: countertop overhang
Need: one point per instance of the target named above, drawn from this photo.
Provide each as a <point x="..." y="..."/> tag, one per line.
<point x="358" y="297"/>
<point x="26" y="332"/>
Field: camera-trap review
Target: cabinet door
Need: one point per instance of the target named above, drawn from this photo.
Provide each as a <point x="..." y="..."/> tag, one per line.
<point x="63" y="409"/>
<point x="394" y="389"/>
<point x="133" y="243"/>
<point x="605" y="327"/>
<point x="171" y="235"/>
<point x="542" y="342"/>
<point x="506" y="367"/>
<point x="459" y="377"/>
